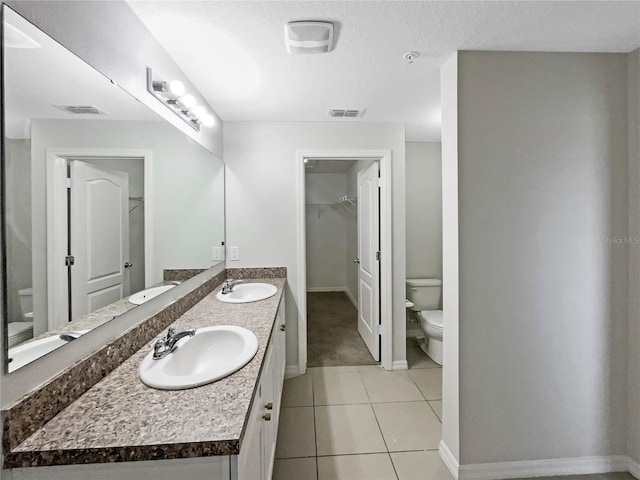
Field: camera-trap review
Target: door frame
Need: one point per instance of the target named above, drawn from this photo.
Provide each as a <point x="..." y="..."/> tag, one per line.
<point x="386" y="260"/>
<point x="56" y="196"/>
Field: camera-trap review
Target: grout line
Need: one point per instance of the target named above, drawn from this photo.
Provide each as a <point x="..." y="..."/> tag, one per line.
<point x="393" y="465"/>
<point x="380" y="428"/>
<point x="315" y="428"/>
<point x="377" y="453"/>
<point x="433" y="409"/>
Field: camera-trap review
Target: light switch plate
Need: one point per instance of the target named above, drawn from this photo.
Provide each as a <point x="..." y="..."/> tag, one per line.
<point x="234" y="253"/>
<point x="216" y="254"/>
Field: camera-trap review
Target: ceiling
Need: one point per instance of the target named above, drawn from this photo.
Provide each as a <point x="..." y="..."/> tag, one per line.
<point x="234" y="51"/>
<point x="36" y="79"/>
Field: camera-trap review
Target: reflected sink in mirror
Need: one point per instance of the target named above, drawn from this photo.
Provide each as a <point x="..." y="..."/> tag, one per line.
<point x="146" y="295"/>
<point x="209" y="355"/>
<point x="248" y="292"/>
<point x="27" y="352"/>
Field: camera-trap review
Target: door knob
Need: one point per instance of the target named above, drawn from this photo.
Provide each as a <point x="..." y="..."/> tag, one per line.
<point x="283" y="327"/>
<point x="128" y="265"/>
<point x="356" y="260"/>
<point x="267" y="417"/>
<point x="269" y="406"/>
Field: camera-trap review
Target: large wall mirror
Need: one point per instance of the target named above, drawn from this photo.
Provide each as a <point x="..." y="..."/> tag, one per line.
<point x="101" y="196"/>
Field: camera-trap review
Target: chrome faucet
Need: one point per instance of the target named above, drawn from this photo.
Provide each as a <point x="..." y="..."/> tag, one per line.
<point x="164" y="346"/>
<point x="228" y="285"/>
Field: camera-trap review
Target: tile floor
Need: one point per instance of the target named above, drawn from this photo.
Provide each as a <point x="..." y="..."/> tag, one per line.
<point x="364" y="423"/>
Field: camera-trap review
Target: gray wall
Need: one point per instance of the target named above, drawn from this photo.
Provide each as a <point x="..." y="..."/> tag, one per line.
<point x="424" y="209"/>
<point x="543" y="294"/>
<point x="633" y="396"/>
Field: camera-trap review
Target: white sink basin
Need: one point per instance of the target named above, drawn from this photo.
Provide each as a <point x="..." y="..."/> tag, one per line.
<point x="30" y="351"/>
<point x="248" y="292"/>
<point x="146" y="295"/>
<point x="211" y="354"/>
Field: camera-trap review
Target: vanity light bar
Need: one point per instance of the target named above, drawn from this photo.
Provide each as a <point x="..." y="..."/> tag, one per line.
<point x="172" y="94"/>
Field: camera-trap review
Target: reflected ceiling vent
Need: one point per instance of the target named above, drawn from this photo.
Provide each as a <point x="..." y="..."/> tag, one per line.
<point x="81" y="109"/>
<point x="346" y="112"/>
<point x="308" y="37"/>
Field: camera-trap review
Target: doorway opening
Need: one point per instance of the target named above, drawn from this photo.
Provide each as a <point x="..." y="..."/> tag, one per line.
<point x="97" y="230"/>
<point x="344" y="233"/>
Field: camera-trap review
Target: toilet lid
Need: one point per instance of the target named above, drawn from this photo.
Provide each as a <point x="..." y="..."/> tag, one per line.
<point x="432" y="317"/>
<point x="18" y="328"/>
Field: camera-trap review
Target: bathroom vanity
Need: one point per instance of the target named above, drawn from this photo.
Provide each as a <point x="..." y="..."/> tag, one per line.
<point x="121" y="429"/>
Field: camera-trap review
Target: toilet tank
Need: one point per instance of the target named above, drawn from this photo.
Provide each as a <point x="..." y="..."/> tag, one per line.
<point x="425" y="293"/>
<point x="26" y="300"/>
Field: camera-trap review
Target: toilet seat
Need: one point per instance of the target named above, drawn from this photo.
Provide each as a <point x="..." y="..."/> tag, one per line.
<point x="432" y="318"/>
<point x="19" y="332"/>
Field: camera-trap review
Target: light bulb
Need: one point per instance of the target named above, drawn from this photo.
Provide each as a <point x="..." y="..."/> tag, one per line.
<point x="208" y="120"/>
<point x="176" y="87"/>
<point x="189" y="101"/>
<point x="199" y="111"/>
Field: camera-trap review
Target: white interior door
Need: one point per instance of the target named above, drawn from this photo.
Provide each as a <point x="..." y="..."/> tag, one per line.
<point x="99" y="237"/>
<point x="369" y="260"/>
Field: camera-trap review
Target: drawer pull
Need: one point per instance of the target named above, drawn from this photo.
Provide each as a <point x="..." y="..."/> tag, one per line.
<point x="267" y="417"/>
<point x="269" y="406"/>
<point x="283" y="327"/>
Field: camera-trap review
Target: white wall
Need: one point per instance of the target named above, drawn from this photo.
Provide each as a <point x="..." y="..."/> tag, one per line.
<point x="542" y="182"/>
<point x="18" y="222"/>
<point x="261" y="182"/>
<point x="109" y="36"/>
<point x="633" y="397"/>
<point x="450" y="260"/>
<point x="326" y="230"/>
<point x="424" y="210"/>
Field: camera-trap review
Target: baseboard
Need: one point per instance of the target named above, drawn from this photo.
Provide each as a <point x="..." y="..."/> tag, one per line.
<point x="291" y="371"/>
<point x="415" y="333"/>
<point x="448" y="459"/>
<point x="634" y="467"/>
<point x="543" y="468"/>
<point x="400" y="365"/>
<point x="326" y="289"/>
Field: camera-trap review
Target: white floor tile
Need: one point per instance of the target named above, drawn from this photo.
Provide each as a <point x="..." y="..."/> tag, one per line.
<point x="420" y="466"/>
<point x="436" y="405"/>
<point x="296" y="433"/>
<point x="332" y="369"/>
<point x="408" y="426"/>
<point x="298" y="392"/>
<point x="376" y="466"/>
<point x="429" y="381"/>
<point x="295" y="469"/>
<point x="347" y="429"/>
<point x="338" y="388"/>
<point x="395" y="386"/>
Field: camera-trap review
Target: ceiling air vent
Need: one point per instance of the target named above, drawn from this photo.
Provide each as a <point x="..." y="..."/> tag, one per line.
<point x="346" y="112"/>
<point x="81" y="109"/>
<point x="308" y="37"/>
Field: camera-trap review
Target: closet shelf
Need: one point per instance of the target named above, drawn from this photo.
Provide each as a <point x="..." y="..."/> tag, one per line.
<point x="349" y="202"/>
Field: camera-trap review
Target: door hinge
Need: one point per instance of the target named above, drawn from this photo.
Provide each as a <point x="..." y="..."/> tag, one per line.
<point x="69" y="260"/>
<point x="380" y="182"/>
<point x="67" y="183"/>
<point x="378" y="256"/>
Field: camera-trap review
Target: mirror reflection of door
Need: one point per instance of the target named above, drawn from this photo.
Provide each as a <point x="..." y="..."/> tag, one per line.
<point x="99" y="239"/>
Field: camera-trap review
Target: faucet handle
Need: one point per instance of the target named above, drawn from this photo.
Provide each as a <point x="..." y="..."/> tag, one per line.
<point x="171" y="332"/>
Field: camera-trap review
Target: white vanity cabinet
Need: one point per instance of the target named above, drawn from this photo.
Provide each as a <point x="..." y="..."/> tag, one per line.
<point x="258" y="448"/>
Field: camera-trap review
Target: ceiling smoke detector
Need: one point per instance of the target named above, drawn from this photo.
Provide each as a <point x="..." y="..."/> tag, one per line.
<point x="346" y="112"/>
<point x="411" y="56"/>
<point x="308" y="37"/>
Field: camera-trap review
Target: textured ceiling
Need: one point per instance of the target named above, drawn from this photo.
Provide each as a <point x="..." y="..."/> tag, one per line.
<point x="234" y="51"/>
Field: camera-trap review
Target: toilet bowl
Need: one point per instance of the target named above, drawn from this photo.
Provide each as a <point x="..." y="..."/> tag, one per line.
<point x="19" y="332"/>
<point x="431" y="325"/>
<point x="424" y="294"/>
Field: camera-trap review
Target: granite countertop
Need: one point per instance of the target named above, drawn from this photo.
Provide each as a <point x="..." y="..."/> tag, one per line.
<point x="121" y="419"/>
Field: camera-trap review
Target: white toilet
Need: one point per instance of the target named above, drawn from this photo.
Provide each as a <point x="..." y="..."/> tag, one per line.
<point x="425" y="295"/>
<point x="19" y="332"/>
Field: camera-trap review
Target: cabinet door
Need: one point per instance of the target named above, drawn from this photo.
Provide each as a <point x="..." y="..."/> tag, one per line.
<point x="279" y="344"/>
<point x="251" y="461"/>
<point x="270" y="425"/>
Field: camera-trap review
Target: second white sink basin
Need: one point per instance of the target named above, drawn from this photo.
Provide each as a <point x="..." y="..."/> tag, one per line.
<point x="27" y="352"/>
<point x="146" y="295"/>
<point x="211" y="354"/>
<point x="248" y="292"/>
